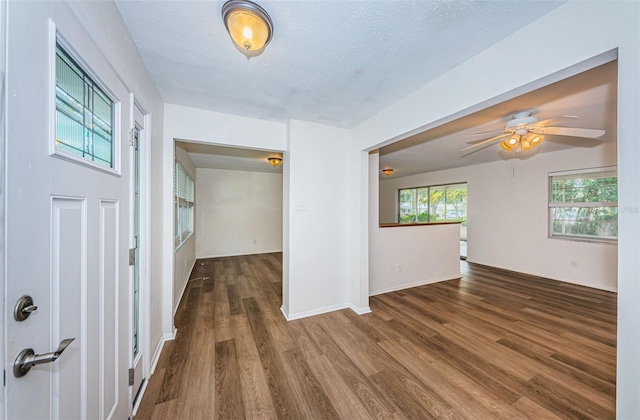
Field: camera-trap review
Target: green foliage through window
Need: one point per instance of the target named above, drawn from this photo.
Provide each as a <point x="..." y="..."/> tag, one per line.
<point x="438" y="203"/>
<point x="84" y="113"/>
<point x="584" y="204"/>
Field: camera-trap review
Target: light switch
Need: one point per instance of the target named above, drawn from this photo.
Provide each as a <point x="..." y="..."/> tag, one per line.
<point x="299" y="205"/>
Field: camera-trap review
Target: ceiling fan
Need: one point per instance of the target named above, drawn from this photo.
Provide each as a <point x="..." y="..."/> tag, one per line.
<point x="524" y="132"/>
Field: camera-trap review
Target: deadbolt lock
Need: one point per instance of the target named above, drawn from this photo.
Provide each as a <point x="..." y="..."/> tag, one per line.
<point x="23" y="308"/>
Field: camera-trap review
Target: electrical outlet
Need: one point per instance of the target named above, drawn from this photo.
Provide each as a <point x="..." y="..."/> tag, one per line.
<point x="255" y="242"/>
<point x="398" y="268"/>
<point x="573" y="263"/>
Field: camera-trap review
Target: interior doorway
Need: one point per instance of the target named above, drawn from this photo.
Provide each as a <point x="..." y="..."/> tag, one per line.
<point x="236" y="208"/>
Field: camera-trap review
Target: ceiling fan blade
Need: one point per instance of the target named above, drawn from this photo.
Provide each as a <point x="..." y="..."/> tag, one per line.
<point x="589" y="133"/>
<point x="487" y="141"/>
<point x="486" y="132"/>
<point x="545" y="123"/>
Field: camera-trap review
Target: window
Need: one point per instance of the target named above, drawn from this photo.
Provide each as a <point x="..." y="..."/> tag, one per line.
<point x="437" y="203"/>
<point x="584" y="204"/>
<point x="84" y="113"/>
<point x="184" y="202"/>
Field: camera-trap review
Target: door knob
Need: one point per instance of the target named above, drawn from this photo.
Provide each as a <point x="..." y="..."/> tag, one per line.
<point x="28" y="358"/>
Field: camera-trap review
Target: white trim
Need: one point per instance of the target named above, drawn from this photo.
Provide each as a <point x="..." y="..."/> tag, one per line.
<point x="184" y="241"/>
<point x="154" y="363"/>
<point x="410" y="285"/>
<point x="136" y="405"/>
<point x="586" y="171"/>
<point x="167" y="241"/>
<point x="319" y="311"/>
<point x="145" y="245"/>
<point x="3" y="188"/>
<point x="238" y="255"/>
<point x="532" y="273"/>
<point x="57" y="37"/>
<point x="360" y="310"/>
<point x="156" y="355"/>
<point x="138" y="117"/>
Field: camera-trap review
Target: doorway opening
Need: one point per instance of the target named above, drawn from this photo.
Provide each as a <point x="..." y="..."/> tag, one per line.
<point x="236" y="210"/>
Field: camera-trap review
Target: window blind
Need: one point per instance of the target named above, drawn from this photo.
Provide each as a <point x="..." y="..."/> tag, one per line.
<point x="183" y="184"/>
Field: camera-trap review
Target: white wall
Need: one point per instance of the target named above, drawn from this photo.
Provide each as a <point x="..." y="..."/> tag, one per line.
<point x="569" y="35"/>
<point x="185" y="256"/>
<point x="238" y="212"/>
<point x="508" y="216"/>
<point x="408" y="256"/>
<point x="318" y="266"/>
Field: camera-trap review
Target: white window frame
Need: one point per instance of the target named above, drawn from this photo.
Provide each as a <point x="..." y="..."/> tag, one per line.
<point x="57" y="38"/>
<point x="584" y="174"/>
<point x="183" y="199"/>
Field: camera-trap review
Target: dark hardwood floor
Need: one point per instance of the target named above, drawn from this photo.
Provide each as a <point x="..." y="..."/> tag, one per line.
<point x="494" y="344"/>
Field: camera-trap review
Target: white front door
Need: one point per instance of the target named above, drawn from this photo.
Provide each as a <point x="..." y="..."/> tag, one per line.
<point x="67" y="224"/>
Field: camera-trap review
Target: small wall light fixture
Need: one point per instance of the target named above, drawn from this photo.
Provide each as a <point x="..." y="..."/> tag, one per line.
<point x="249" y="26"/>
<point x="274" y="161"/>
<point x="387" y="171"/>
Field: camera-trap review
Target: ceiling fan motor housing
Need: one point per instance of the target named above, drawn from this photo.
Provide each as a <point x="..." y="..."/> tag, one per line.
<point x="521" y="119"/>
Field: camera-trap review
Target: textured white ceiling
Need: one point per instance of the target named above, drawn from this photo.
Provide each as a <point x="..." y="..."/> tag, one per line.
<point x="332" y="62"/>
<point x="591" y="95"/>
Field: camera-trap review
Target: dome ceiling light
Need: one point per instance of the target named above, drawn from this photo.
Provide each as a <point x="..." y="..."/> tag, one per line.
<point x="274" y="161"/>
<point x="249" y="26"/>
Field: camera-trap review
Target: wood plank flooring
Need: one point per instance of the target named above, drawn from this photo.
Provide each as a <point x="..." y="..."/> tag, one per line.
<point x="493" y="344"/>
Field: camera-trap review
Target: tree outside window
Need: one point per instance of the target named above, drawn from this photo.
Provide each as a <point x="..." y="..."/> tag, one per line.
<point x="584" y="204"/>
<point x="436" y="203"/>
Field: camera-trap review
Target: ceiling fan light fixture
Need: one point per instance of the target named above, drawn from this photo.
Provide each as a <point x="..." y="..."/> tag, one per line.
<point x="535" y="139"/>
<point x="248" y="24"/>
<point x="512" y="141"/>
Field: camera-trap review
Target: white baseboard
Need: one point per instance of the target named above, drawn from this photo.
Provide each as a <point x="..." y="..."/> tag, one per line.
<point x="395" y="288"/>
<point x="156" y="354"/>
<point x="140" y="395"/>
<point x="324" y="310"/>
<point x="285" y="313"/>
<point x="546" y="276"/>
<point x="238" y="254"/>
<point x="154" y="363"/>
<point x="359" y="310"/>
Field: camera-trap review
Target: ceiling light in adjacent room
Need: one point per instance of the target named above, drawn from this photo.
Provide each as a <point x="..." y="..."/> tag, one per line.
<point x="387" y="171"/>
<point x="249" y="26"/>
<point x="274" y="161"/>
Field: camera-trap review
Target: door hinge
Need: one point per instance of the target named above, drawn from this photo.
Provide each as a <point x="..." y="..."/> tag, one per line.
<point x="131" y="373"/>
<point x="132" y="138"/>
<point x="132" y="256"/>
